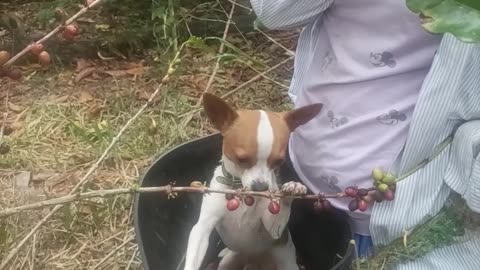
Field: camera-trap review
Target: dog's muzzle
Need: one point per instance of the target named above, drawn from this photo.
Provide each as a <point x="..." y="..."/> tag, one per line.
<point x="258" y="185"/>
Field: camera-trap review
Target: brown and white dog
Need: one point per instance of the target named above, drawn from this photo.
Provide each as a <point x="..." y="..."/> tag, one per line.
<point x="254" y="147"/>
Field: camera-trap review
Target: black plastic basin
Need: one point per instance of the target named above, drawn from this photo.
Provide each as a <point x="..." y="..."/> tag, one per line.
<point x="162" y="225"/>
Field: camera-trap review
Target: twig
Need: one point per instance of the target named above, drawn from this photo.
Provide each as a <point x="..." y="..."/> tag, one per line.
<point x="357" y="258"/>
<point x="15" y="250"/>
<point x="92" y="169"/>
<point x="132" y="258"/>
<point x="276" y="42"/>
<point x="169" y="189"/>
<point x="113" y="252"/>
<point x="241" y="86"/>
<point x="2" y="129"/>
<point x="234" y="2"/>
<point x="265" y="77"/>
<point x="4" y="122"/>
<point x="217" y="65"/>
<point x="52" y="33"/>
<point x="33" y="251"/>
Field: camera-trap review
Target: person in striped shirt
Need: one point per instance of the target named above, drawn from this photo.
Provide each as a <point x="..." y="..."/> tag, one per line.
<point x="391" y="93"/>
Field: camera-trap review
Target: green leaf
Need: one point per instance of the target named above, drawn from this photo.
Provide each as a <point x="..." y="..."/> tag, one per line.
<point x="460" y="18"/>
<point x="196" y="42"/>
<point x="158" y="10"/>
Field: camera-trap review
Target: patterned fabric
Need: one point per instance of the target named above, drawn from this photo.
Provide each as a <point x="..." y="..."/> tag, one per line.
<point x="449" y="103"/>
<point x="381" y="74"/>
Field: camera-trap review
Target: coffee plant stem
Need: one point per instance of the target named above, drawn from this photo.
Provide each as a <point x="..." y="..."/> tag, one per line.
<point x="52" y="33"/>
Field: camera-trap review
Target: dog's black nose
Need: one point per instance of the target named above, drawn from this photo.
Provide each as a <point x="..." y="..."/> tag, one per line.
<point x="259" y="186"/>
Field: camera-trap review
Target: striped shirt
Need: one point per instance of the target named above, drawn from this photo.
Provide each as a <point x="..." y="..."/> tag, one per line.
<point x="448" y="104"/>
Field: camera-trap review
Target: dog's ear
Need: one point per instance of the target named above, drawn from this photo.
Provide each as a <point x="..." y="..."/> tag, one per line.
<point x="218" y="112"/>
<point x="302" y="115"/>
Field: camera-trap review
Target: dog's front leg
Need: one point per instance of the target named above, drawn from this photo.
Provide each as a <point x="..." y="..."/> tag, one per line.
<point x="284" y="255"/>
<point x="292" y="188"/>
<point x="211" y="212"/>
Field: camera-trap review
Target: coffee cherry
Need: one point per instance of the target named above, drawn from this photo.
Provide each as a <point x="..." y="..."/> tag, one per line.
<point x="229" y="196"/>
<point x="67" y="36"/>
<point x="362" y="205"/>
<point x="37" y="48"/>
<point x="368" y="198"/>
<point x="274" y="207"/>
<point x="233" y="204"/>
<point x="362" y="192"/>
<point x="44" y="58"/>
<point x="353" y="205"/>
<point x="378" y="196"/>
<point x="388" y="179"/>
<point x="318" y="206"/>
<point x="249" y="200"/>
<point x="14" y="74"/>
<point x="351" y="191"/>
<point x="4" y="57"/>
<point x="326" y="204"/>
<point x="389" y="195"/>
<point x="383" y="187"/>
<point x="392" y="187"/>
<point x="377" y="174"/>
<point x="71" y="30"/>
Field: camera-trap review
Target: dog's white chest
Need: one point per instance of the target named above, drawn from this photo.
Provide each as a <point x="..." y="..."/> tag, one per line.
<point x="243" y="231"/>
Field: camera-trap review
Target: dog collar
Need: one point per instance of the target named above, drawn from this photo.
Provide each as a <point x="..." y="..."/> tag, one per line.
<point x="229" y="180"/>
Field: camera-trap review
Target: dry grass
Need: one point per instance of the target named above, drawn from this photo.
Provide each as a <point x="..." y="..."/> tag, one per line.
<point x="60" y="128"/>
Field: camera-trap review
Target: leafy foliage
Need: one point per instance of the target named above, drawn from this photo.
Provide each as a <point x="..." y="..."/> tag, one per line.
<point x="447" y="227"/>
<point x="458" y="17"/>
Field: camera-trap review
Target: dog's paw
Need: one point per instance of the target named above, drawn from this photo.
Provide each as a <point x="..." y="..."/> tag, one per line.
<point x="294" y="188"/>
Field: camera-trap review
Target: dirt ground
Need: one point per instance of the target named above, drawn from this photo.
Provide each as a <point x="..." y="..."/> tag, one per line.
<point x="59" y="121"/>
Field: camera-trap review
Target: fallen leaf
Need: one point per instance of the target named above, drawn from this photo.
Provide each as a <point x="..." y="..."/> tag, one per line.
<point x="132" y="71"/>
<point x="116" y="73"/>
<point x="94" y="111"/>
<point x="131" y="65"/>
<point x="22" y="180"/>
<point x="85" y="96"/>
<point x="137" y="71"/>
<point x="61" y="99"/>
<point x="84" y="73"/>
<point x="15" y="108"/>
<point x="82" y="64"/>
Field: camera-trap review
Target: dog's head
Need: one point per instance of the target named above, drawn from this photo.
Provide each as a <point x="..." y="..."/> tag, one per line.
<point x="255" y="141"/>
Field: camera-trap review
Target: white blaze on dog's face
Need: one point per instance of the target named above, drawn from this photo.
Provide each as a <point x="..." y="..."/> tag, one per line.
<point x="255" y="141"/>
